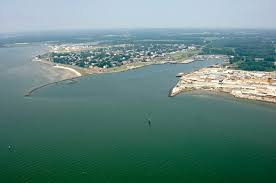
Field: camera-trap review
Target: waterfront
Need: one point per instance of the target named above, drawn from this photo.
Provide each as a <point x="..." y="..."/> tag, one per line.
<point x="96" y="130"/>
<point x="241" y="84"/>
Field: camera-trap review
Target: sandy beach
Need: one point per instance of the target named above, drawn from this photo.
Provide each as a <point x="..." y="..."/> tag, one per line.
<point x="69" y="69"/>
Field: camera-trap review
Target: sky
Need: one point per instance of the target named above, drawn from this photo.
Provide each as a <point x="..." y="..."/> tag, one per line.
<point x="38" y="15"/>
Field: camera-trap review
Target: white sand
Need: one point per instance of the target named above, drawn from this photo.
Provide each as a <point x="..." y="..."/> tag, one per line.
<point x="68" y="68"/>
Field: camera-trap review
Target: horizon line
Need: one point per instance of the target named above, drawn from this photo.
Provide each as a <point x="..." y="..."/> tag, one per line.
<point x="136" y="28"/>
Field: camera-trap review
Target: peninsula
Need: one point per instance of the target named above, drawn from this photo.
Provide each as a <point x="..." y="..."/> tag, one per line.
<point x="256" y="85"/>
<point x="94" y="58"/>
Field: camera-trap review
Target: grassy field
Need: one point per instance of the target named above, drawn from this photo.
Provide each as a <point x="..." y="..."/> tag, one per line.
<point x="182" y="56"/>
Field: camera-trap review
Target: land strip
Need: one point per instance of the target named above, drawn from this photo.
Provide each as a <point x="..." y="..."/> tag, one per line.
<point x="255" y="85"/>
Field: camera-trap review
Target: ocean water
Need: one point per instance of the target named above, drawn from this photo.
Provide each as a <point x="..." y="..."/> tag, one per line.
<point x="96" y="130"/>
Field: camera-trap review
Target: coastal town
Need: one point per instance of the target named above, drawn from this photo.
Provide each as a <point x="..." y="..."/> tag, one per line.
<point x="256" y="85"/>
<point x="109" y="56"/>
<point x="248" y="70"/>
<point x="94" y="58"/>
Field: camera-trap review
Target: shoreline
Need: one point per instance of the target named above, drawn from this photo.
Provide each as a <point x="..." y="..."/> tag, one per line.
<point x="251" y="85"/>
<point x="81" y="72"/>
<point x="74" y="74"/>
<point x="30" y="92"/>
<point x="222" y="94"/>
<point x="69" y="69"/>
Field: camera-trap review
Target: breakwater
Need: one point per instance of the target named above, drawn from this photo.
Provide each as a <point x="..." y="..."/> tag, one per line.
<point x="30" y="92"/>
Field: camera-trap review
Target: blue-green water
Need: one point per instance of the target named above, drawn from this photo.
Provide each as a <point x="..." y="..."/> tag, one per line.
<point x="96" y="130"/>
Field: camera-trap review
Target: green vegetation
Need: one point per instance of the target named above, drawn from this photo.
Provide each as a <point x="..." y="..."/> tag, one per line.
<point x="257" y="66"/>
<point x="253" y="53"/>
<point x="247" y="49"/>
<point x="181" y="56"/>
<point x="211" y="50"/>
<point x="116" y="55"/>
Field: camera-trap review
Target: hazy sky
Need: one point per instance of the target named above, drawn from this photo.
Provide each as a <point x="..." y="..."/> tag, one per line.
<point x="28" y="15"/>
